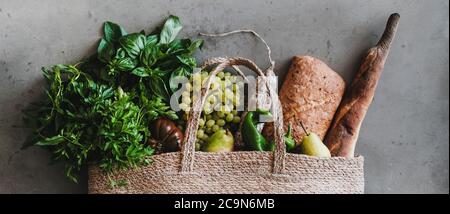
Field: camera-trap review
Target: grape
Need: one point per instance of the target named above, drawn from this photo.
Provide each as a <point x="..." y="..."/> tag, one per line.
<point x="207" y="109"/>
<point x="200" y="133"/>
<point x="205" y="137"/>
<point x="210" y="123"/>
<point x="201" y="122"/>
<point x="229" y="94"/>
<point x="220" y="74"/>
<point x="236" y="119"/>
<point x="183" y="106"/>
<point x="211" y="99"/>
<point x="215" y="85"/>
<point x="221" y="122"/>
<point x="189" y="86"/>
<point x="208" y="130"/>
<point x="219" y="94"/>
<point x="186" y="100"/>
<point x="228" y="82"/>
<point x="219" y="110"/>
<point x="208" y="117"/>
<point x="204" y="75"/>
<point x="215" y="116"/>
<point x="222" y="85"/>
<point x="228" y="107"/>
<point x="197" y="146"/>
<point x="185" y="94"/>
<point x="215" y="128"/>
<point x="221" y="114"/>
<point x="229" y="117"/>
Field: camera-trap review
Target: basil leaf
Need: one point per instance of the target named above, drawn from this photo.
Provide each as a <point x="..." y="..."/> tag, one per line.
<point x="180" y="72"/>
<point x="187" y="60"/>
<point x="170" y="30"/>
<point x="133" y="44"/>
<point x="120" y="53"/>
<point x="126" y="64"/>
<point x="178" y="45"/>
<point x="194" y="45"/>
<point x="151" y="40"/>
<point x="184" y="46"/>
<point x="168" y="63"/>
<point x="159" y="88"/>
<point x="121" y="64"/>
<point x="105" y="50"/>
<point x="112" y="32"/>
<point x="156" y="107"/>
<point x="151" y="54"/>
<point x="140" y="71"/>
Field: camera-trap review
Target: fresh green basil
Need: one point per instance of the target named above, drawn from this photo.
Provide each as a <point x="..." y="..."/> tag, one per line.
<point x="151" y="54"/>
<point x="105" y="50"/>
<point x="151" y="40"/>
<point x="180" y="72"/>
<point x="121" y="64"/>
<point x="170" y="30"/>
<point x="98" y="110"/>
<point x="140" y="72"/>
<point x="187" y="60"/>
<point x="195" y="45"/>
<point x="112" y="32"/>
<point x="158" y="87"/>
<point x="133" y="44"/>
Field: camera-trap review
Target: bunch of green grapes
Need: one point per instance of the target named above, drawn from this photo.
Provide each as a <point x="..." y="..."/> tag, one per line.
<point x="220" y="111"/>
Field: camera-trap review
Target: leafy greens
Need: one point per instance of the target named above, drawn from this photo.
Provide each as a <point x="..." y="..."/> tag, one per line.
<point x="98" y="110"/>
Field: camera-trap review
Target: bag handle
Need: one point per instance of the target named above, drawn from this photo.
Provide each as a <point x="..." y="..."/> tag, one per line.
<point x="188" y="148"/>
<point x="269" y="70"/>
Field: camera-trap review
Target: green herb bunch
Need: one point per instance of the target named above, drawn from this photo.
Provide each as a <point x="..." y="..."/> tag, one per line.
<point x="99" y="109"/>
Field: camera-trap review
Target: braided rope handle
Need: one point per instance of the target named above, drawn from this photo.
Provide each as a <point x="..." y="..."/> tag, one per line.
<point x="188" y="147"/>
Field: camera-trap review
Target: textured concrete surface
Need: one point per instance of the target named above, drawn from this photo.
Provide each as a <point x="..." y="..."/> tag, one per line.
<point x="406" y="132"/>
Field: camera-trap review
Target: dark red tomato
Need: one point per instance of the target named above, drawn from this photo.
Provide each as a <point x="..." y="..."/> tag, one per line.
<point x="167" y="135"/>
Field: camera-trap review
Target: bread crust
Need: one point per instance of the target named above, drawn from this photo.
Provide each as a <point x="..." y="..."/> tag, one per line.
<point x="343" y="134"/>
<point x="310" y="94"/>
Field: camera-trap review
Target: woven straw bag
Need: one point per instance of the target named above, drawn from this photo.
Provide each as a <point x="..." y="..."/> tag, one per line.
<point x="190" y="171"/>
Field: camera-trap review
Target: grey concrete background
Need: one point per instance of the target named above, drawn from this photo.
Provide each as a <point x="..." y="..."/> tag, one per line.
<point x="404" y="137"/>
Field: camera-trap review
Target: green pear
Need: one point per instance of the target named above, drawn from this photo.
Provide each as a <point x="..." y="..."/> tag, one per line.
<point x="221" y="141"/>
<point x="313" y="146"/>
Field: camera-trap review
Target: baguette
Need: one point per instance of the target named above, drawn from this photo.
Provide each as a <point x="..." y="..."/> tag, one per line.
<point x="343" y="134"/>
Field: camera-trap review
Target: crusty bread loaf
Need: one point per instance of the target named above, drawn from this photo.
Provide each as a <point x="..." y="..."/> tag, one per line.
<point x="343" y="134"/>
<point x="310" y="94"/>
